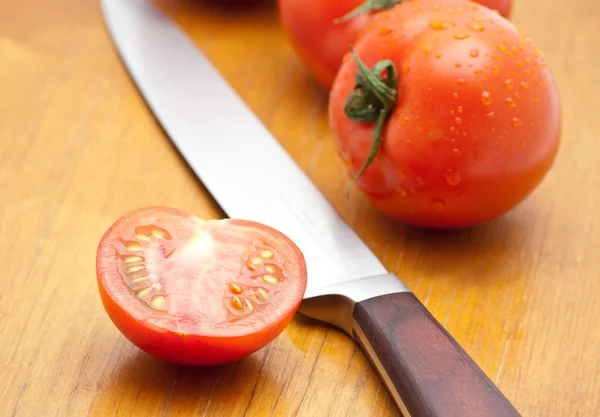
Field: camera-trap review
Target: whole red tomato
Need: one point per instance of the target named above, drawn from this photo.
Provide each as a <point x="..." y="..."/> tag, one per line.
<point x="467" y="111"/>
<point x="321" y="40"/>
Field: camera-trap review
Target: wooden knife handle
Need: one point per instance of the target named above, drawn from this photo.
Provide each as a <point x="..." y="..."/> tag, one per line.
<point x="424" y="368"/>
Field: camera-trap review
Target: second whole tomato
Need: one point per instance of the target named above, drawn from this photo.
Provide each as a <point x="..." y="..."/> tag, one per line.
<point x="453" y="119"/>
<point x="322" y="30"/>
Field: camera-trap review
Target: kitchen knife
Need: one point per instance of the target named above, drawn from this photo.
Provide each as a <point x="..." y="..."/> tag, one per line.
<point x="424" y="368"/>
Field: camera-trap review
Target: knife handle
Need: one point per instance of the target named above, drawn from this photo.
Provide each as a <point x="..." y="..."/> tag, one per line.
<point x="423" y="367"/>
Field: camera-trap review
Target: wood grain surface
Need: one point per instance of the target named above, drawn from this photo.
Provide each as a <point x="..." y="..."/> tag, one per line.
<point x="78" y="148"/>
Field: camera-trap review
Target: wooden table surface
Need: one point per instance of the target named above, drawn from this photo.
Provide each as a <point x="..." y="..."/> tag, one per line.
<point x="78" y="148"/>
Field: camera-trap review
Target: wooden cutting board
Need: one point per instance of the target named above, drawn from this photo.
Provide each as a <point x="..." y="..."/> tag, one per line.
<point x="78" y="148"/>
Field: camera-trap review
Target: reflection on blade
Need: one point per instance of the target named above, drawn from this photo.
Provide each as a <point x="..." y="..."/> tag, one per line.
<point x="234" y="155"/>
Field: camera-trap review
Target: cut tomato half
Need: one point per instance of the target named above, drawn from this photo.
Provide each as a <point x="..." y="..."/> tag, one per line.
<point x="194" y="291"/>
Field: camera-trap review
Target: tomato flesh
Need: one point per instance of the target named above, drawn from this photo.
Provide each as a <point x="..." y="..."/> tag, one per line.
<point x="476" y="124"/>
<point x="198" y="292"/>
<point x="321" y="42"/>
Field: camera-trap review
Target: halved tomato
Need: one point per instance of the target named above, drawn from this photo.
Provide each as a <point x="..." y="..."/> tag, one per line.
<point x="198" y="292"/>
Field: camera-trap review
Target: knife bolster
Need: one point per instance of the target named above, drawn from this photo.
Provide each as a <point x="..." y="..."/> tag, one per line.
<point x="335" y="304"/>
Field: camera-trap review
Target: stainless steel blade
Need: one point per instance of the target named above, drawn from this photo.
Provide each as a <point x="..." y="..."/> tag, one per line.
<point x="244" y="168"/>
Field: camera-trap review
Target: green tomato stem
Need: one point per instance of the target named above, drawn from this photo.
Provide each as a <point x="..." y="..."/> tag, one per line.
<point x="366" y="7"/>
<point x="372" y="101"/>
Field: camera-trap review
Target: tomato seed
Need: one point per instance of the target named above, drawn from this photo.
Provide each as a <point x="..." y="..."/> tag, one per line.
<point x="234" y="288"/>
<point x="138" y="283"/>
<point x="135" y="268"/>
<point x="270" y="269"/>
<point x="158" y="233"/>
<point x="236" y="303"/>
<point x="158" y="301"/>
<point x="130" y="259"/>
<point x="134" y="246"/>
<point x="144" y="293"/>
<point x="270" y="279"/>
<point x="267" y="254"/>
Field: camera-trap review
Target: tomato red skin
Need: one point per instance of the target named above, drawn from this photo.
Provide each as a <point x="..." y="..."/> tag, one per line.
<point x="504" y="7"/>
<point x="321" y="43"/>
<point x="318" y="41"/>
<point x="470" y="137"/>
<point x="188" y="348"/>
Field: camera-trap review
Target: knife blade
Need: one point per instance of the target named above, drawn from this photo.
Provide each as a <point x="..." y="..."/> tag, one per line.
<point x="423" y="367"/>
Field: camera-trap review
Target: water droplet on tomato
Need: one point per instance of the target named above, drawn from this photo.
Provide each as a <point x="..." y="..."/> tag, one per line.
<point x="474" y="53"/>
<point x="477" y="72"/>
<point x="402" y="191"/>
<point x="458" y="64"/>
<point x="440" y="25"/>
<point x="405" y="67"/>
<point x="461" y="36"/>
<point x="510" y="103"/>
<point x="438" y="55"/>
<point x="477" y="27"/>
<point x="438" y="203"/>
<point x="528" y="61"/>
<point x="461" y="80"/>
<point x="519" y="63"/>
<point x="457" y="120"/>
<point x="490" y="115"/>
<point x="516" y="122"/>
<point x="385" y="30"/>
<point x="501" y="48"/>
<point x="528" y="72"/>
<point x="453" y="177"/>
<point x="427" y="50"/>
<point x="456" y="152"/>
<point x="455" y="95"/>
<point x="486" y="98"/>
<point x="524" y="85"/>
<point x="508" y="83"/>
<point x="459" y="109"/>
<point x="452" y="129"/>
<point x="404" y="121"/>
<point x="495" y="69"/>
<point x="494" y="57"/>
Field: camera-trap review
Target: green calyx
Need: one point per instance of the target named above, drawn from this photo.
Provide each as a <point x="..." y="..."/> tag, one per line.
<point x="372" y="101"/>
<point x="368" y="6"/>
